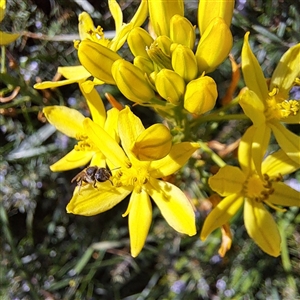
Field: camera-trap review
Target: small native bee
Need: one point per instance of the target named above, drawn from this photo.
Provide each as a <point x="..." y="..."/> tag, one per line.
<point x="92" y="175"/>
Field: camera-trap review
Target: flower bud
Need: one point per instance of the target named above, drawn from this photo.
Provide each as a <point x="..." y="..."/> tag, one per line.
<point x="162" y="60"/>
<point x="210" y="9"/>
<point x="161" y="12"/>
<point x="164" y="43"/>
<point x="98" y="60"/>
<point x="214" y="46"/>
<point x="184" y="62"/>
<point x="138" y="40"/>
<point x="131" y="82"/>
<point x="201" y="95"/>
<point x="182" y="31"/>
<point x="144" y="64"/>
<point x="153" y="143"/>
<point x="170" y="86"/>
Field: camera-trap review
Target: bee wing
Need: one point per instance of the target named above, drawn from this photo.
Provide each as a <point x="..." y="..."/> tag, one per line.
<point x="78" y="177"/>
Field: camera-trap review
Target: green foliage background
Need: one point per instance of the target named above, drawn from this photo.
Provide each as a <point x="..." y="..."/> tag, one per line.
<point x="48" y="254"/>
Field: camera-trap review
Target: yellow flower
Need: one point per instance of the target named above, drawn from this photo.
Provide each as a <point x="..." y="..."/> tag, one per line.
<point x="5" y="37"/>
<point x="269" y="105"/>
<point x="161" y="12"/>
<point x="246" y="186"/>
<point x="70" y="122"/>
<point x="88" y="31"/>
<point x="138" y="177"/>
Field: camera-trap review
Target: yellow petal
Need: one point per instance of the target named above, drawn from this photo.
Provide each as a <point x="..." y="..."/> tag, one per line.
<point x="111" y="123"/>
<point x="252" y="72"/>
<point x="174" y="206"/>
<point x="260" y="144"/>
<point x="130" y="127"/>
<point x="214" y="46"/>
<point x="253" y="147"/>
<point x="284" y="195"/>
<point x="139" y="221"/>
<point x="90" y="201"/>
<point x="106" y="144"/>
<point x="221" y="214"/>
<point x="67" y="120"/>
<point x="245" y="151"/>
<point x="279" y="162"/>
<point x="210" y="9"/>
<point x="261" y="227"/>
<point x="286" y="71"/>
<point x="53" y="84"/>
<point x="73" y="72"/>
<point x="2" y="9"/>
<point x="118" y="41"/>
<point x="161" y="12"/>
<point x="116" y="13"/>
<point x="141" y="14"/>
<point x="74" y="159"/>
<point x="7" y="38"/>
<point x="98" y="160"/>
<point x="95" y="104"/>
<point x="229" y="180"/>
<point x="153" y="143"/>
<point x="178" y="156"/>
<point x="287" y="140"/>
<point x="85" y="25"/>
<point x="253" y="107"/>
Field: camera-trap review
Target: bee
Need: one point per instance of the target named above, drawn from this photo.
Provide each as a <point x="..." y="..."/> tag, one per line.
<point x="92" y="175"/>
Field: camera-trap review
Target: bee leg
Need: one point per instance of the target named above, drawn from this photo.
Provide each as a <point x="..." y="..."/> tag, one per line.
<point x="95" y="184"/>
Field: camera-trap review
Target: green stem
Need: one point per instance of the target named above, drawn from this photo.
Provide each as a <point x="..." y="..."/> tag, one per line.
<point x="3" y="69"/>
<point x="216" y="158"/>
<point x="285" y="257"/>
<point x="16" y="259"/>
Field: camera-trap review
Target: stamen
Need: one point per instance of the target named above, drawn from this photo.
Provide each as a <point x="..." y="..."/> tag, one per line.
<point x="288" y="108"/>
<point x="274" y="206"/>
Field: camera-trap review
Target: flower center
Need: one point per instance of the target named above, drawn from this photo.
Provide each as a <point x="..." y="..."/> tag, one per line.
<point x="135" y="176"/>
<point x="280" y="108"/>
<point x="84" y="143"/>
<point x="260" y="190"/>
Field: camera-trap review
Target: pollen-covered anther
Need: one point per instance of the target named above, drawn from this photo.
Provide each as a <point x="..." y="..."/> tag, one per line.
<point x="76" y="44"/>
<point x="288" y="108"/>
<point x="274" y="92"/>
<point x="83" y="146"/>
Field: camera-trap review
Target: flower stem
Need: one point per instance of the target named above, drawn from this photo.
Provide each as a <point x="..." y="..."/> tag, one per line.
<point x="3" y="69"/>
<point x="285" y="257"/>
<point x="216" y="158"/>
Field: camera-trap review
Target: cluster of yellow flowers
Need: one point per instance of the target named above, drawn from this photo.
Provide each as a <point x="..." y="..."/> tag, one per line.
<point x="169" y="75"/>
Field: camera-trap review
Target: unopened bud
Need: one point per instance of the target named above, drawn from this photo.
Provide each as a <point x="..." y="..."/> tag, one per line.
<point x="138" y="40"/>
<point x="132" y="82"/>
<point x="170" y="86"/>
<point x="162" y="60"/>
<point x="98" y="60"/>
<point x="214" y="46"/>
<point x="182" y="31"/>
<point x="153" y="143"/>
<point x="184" y="62"/>
<point x="144" y="64"/>
<point x="201" y="95"/>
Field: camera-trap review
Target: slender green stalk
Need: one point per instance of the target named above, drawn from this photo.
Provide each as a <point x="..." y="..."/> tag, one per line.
<point x="216" y="158"/>
<point x="3" y="69"/>
<point x="285" y="257"/>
